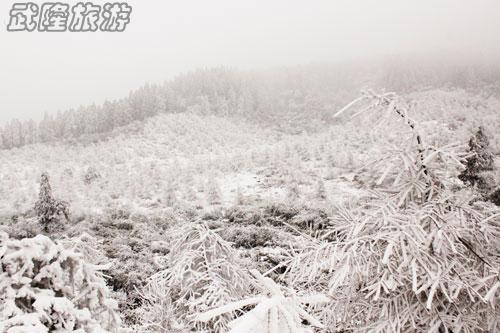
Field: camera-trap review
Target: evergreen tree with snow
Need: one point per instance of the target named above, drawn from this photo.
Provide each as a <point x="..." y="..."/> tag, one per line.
<point x="481" y="161"/>
<point x="47" y="208"/>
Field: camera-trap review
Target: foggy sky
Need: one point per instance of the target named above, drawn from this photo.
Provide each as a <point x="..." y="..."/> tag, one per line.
<point x="56" y="71"/>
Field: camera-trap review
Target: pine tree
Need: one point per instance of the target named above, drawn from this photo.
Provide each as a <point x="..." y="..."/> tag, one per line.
<point x="47" y="208"/>
<point x="480" y="162"/>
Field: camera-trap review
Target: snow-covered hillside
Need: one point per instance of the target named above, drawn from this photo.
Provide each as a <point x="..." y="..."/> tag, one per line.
<point x="212" y="222"/>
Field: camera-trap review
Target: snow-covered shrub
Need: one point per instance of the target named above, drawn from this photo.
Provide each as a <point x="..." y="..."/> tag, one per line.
<point x="24" y="228"/>
<point x="46" y="288"/>
<point x="68" y="172"/>
<point x="249" y="236"/>
<point x="277" y="310"/>
<point x="280" y="211"/>
<point x="242" y="215"/>
<point x="90" y="175"/>
<point x="129" y="243"/>
<point x="202" y="272"/>
<point x="421" y="268"/>
<point x="48" y="209"/>
<point x="310" y="219"/>
<point x="158" y="313"/>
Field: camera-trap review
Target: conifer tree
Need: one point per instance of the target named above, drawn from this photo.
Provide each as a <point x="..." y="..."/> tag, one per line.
<point x="480" y="162"/>
<point x="47" y="208"/>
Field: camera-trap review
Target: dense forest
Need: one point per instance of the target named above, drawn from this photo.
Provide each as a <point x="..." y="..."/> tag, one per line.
<point x="289" y="99"/>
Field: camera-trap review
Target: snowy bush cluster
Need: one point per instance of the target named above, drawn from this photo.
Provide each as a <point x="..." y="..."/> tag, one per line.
<point x="46" y="288"/>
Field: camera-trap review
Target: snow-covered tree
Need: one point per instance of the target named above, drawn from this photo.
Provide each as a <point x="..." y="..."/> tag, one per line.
<point x="416" y="256"/>
<point x="479" y="162"/>
<point x="48" y="209"/>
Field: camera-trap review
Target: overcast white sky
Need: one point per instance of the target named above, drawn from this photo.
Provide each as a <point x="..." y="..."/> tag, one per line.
<point x="55" y="71"/>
